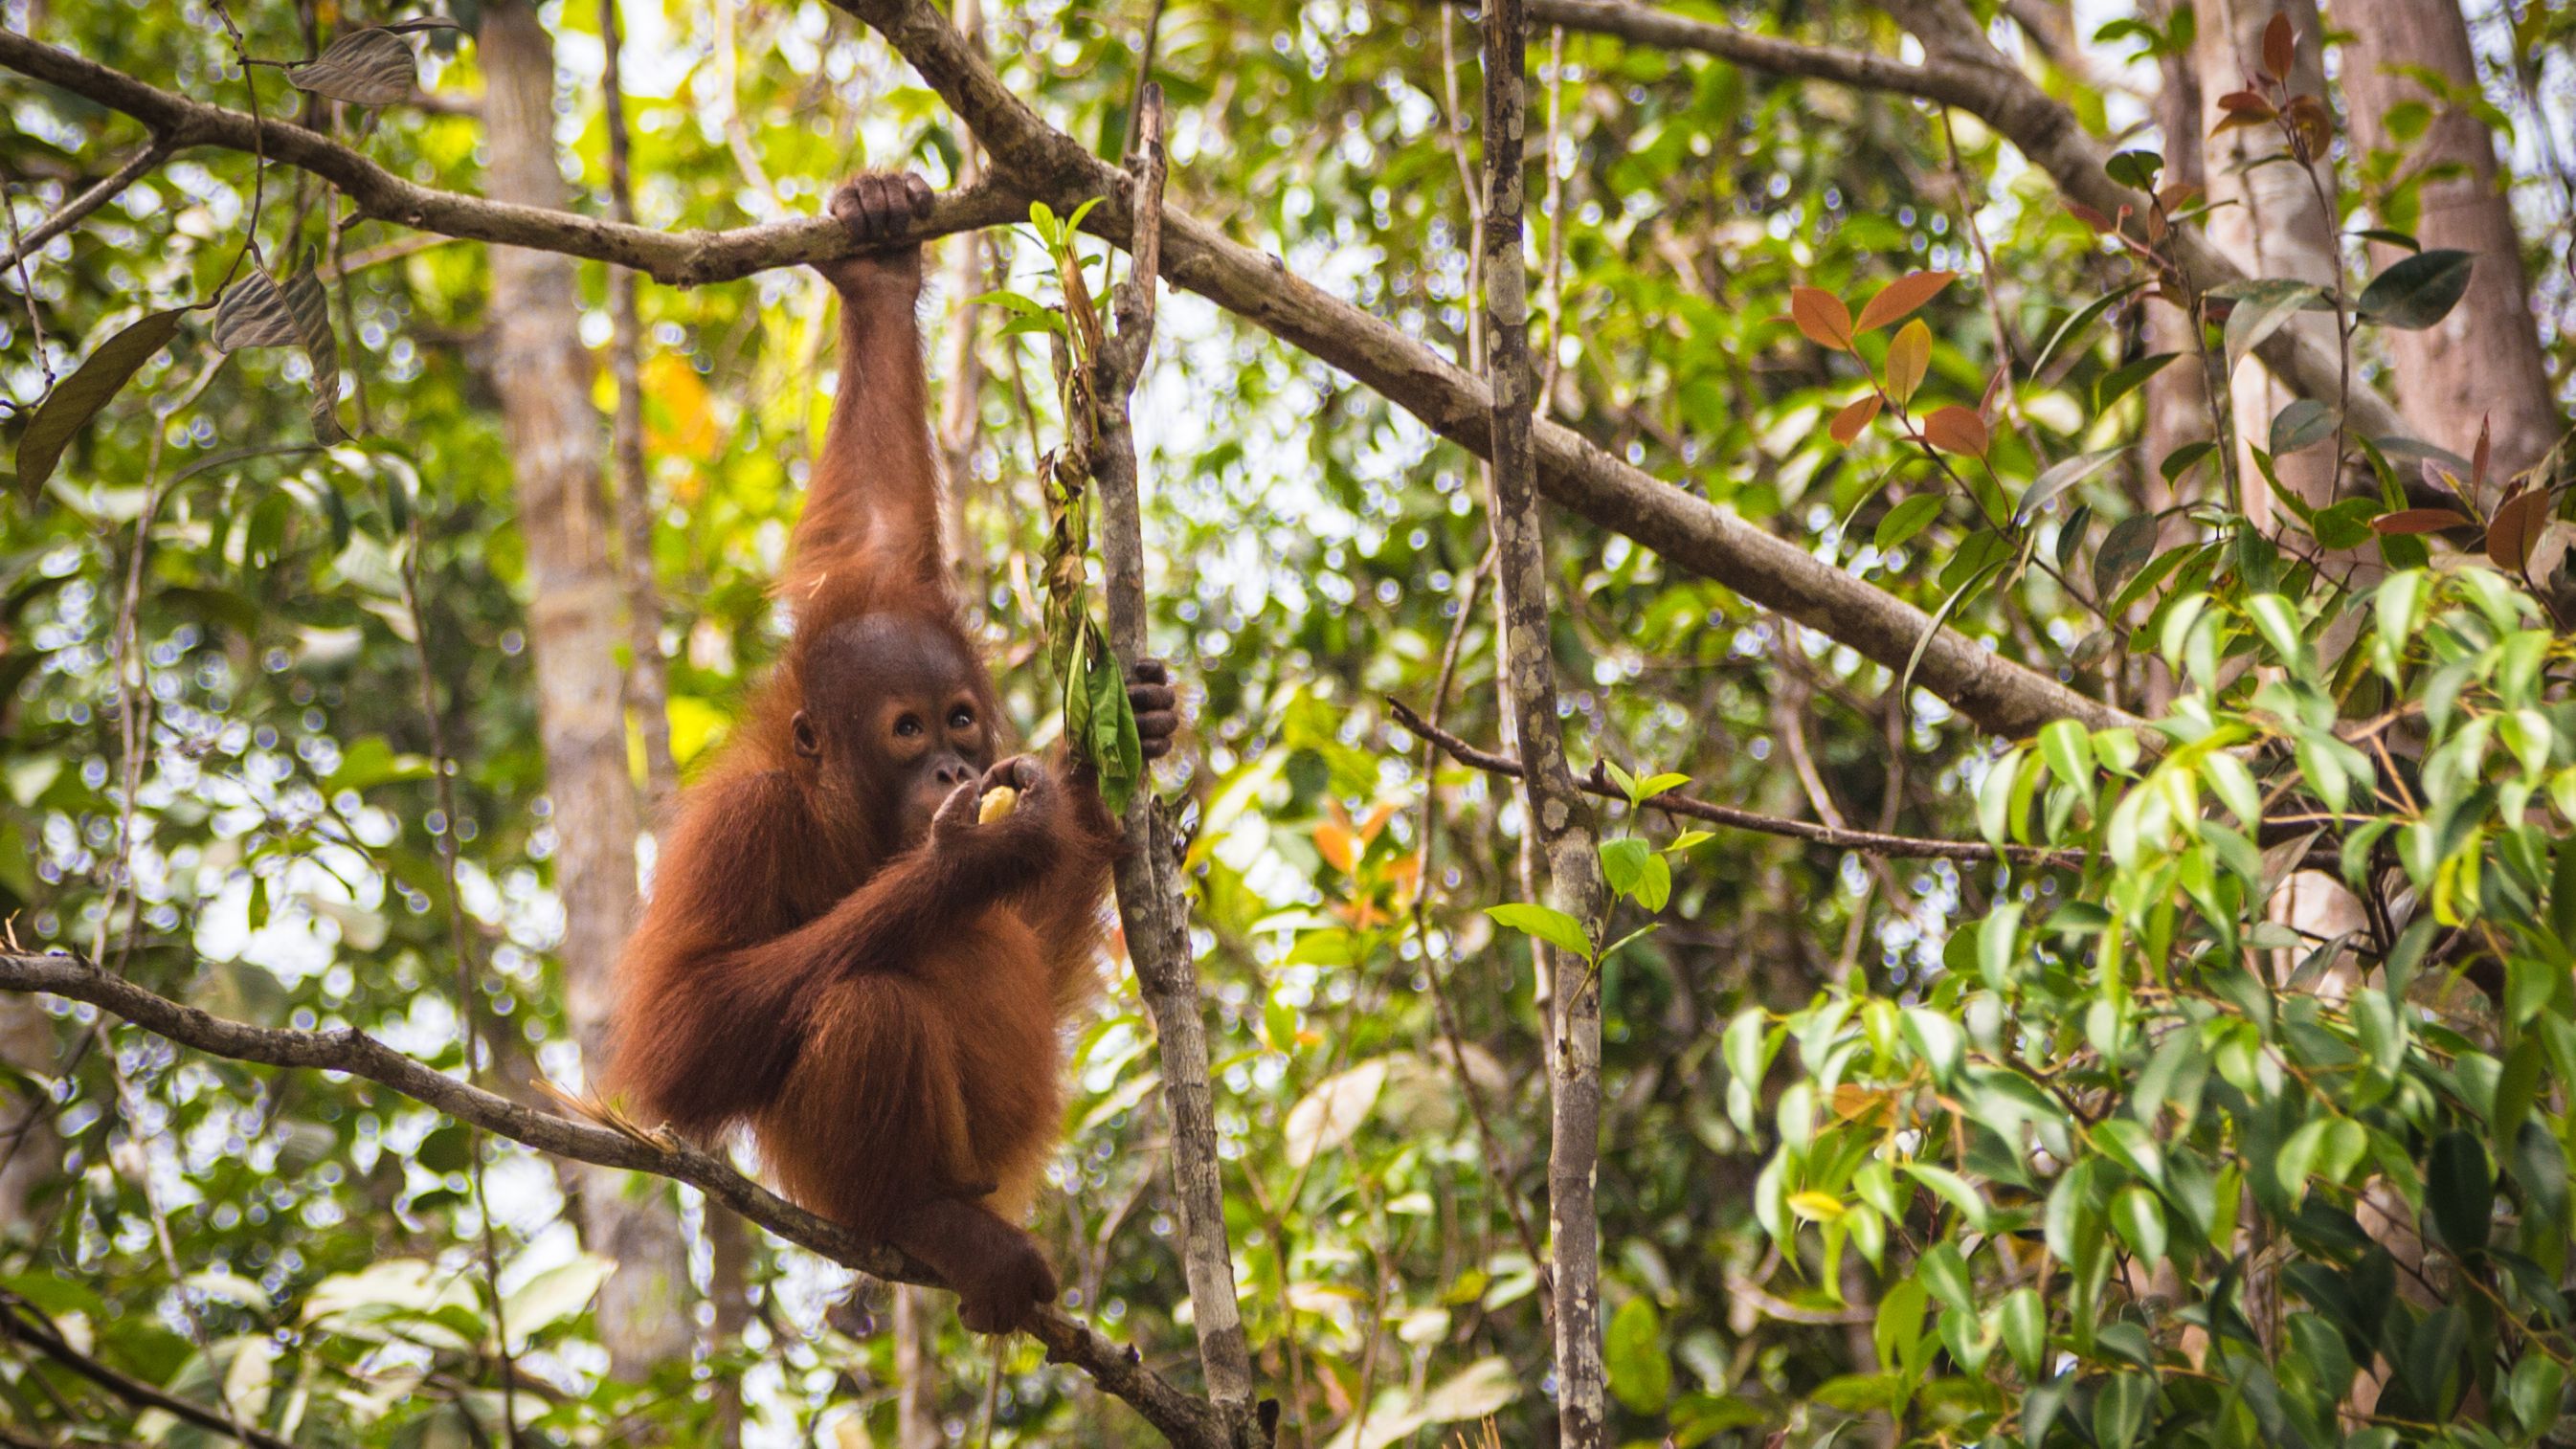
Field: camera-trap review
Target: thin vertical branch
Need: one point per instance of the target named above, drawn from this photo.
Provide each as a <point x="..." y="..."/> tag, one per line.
<point x="1151" y="900"/>
<point x="1558" y="822"/>
<point x="961" y="411"/>
<point x="648" y="686"/>
<point x="468" y="1020"/>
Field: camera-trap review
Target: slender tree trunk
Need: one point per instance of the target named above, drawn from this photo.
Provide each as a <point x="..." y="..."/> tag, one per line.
<point x="648" y="689"/>
<point x="2266" y="218"/>
<point x="574" y="610"/>
<point x="2177" y="406"/>
<point x="1559" y="821"/>
<point x="2484" y="360"/>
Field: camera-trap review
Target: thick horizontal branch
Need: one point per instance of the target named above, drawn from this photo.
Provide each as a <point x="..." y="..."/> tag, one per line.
<point x="1867" y="842"/>
<point x="683" y="258"/>
<point x="1963" y="69"/>
<point x="1035" y="161"/>
<point x="1182" y="1418"/>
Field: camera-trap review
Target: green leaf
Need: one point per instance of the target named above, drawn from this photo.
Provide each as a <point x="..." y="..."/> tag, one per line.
<point x="2459" y="1193"/>
<point x="1641" y="1370"/>
<point x="2418" y="291"/>
<point x="2131" y="542"/>
<point x="1554" y="927"/>
<point x="2128" y="378"/>
<point x="1623" y="863"/>
<point x="1945" y="1273"/>
<point x="2120" y="1410"/>
<point x="2062" y="475"/>
<point x="2075" y="325"/>
<point x="2135" y="169"/>
<point x="2261" y="308"/>
<point x="77" y="399"/>
<point x="2023" y="1320"/>
<point x="2068" y="748"/>
<point x="1904" y="521"/>
<point x="2179" y="461"/>
<point x="2305" y="423"/>
<point x="2140" y="1221"/>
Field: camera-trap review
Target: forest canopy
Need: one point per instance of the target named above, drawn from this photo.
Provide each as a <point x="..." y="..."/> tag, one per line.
<point x="1880" y="710"/>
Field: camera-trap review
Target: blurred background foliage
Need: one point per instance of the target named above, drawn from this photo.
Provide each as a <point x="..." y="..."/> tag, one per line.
<point x="303" y="1247"/>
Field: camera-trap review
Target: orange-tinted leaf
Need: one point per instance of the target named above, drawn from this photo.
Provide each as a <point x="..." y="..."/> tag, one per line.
<point x="2090" y="217"/>
<point x="2245" y="102"/>
<point x="1848" y="423"/>
<point x="1335" y="843"/>
<point x="1908" y="357"/>
<point x="1822" y="316"/>
<point x="1900" y="297"/>
<point x="1376" y="821"/>
<point x="2280" y="48"/>
<point x="2419" y="520"/>
<point x="2516" y="529"/>
<point x="2479" y="457"/>
<point x="1955" y="429"/>
<point x="2178" y="195"/>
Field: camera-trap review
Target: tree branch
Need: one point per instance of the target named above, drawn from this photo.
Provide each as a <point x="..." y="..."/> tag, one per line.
<point x="154" y="152"/>
<point x="1033" y="160"/>
<point x="1558" y="837"/>
<point x="20" y="1323"/>
<point x="1181" y="1418"/>
<point x="1152" y="904"/>
<point x="1962" y="68"/>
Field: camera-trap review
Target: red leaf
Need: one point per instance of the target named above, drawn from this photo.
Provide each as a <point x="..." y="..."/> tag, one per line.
<point x="2246" y="102"/>
<point x="1901" y="297"/>
<point x="1822" y="316"/>
<point x="2478" y="458"/>
<point x="2090" y="217"/>
<point x="2419" y="520"/>
<point x="1955" y="429"/>
<point x="2516" y="529"/>
<point x="2280" y="48"/>
<point x="1848" y="423"/>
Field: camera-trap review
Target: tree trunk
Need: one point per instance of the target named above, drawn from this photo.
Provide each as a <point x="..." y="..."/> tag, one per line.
<point x="1557" y="818"/>
<point x="2267" y="220"/>
<point x="574" y="622"/>
<point x="2484" y="360"/>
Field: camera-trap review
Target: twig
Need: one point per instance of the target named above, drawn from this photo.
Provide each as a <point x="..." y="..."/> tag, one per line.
<point x="79" y="207"/>
<point x="469" y="1020"/>
<point x="648" y="687"/>
<point x="21" y="1323"/>
<point x="1181" y="1417"/>
<point x="1870" y="842"/>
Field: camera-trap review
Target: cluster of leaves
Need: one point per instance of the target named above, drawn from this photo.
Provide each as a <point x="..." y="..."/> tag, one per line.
<point x="2202" y="1171"/>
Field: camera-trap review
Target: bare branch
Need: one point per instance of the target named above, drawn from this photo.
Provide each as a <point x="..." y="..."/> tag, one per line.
<point x="1183" y="1419"/>
<point x="1152" y="903"/>
<point x="79" y="207"/>
<point x="21" y="1323"/>
<point x="1560" y="848"/>
<point x="1866" y="842"/>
